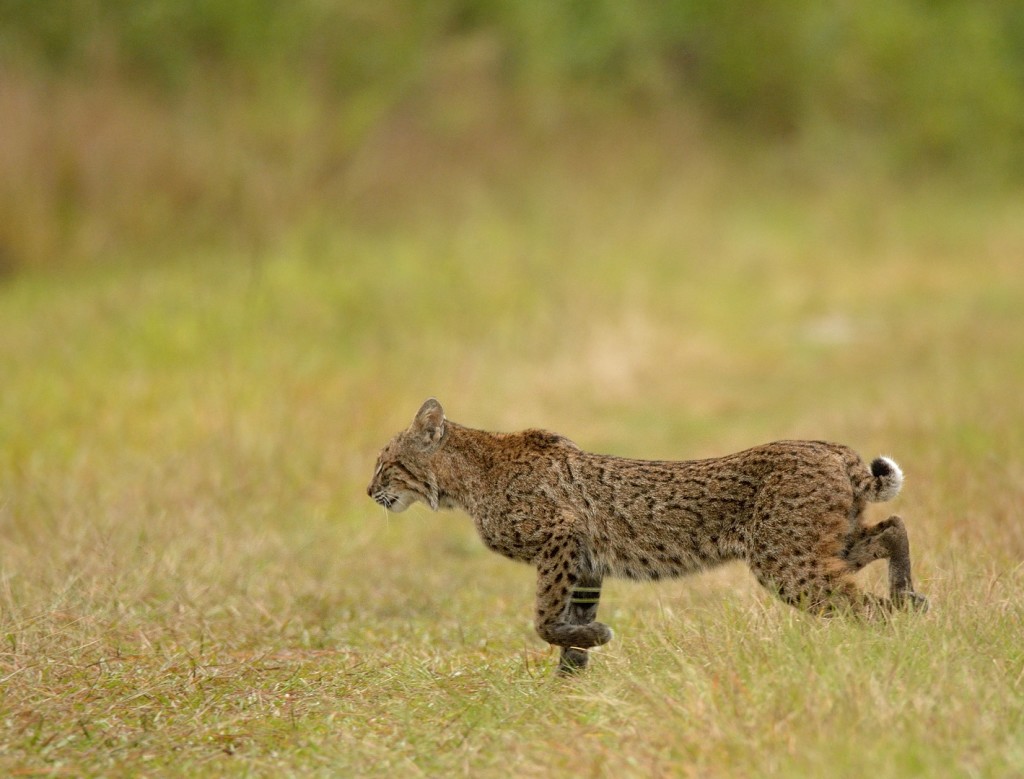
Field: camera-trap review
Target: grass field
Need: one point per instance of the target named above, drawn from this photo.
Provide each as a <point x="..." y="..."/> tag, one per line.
<point x="193" y="581"/>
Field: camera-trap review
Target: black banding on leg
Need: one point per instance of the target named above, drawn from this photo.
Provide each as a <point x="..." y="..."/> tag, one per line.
<point x="583" y="604"/>
<point x="585" y="596"/>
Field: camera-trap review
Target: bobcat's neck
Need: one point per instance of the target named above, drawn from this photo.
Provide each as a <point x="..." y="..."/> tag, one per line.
<point x="464" y="466"/>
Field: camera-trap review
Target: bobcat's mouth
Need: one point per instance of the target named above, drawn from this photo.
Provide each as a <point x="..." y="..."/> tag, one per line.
<point x="390" y="502"/>
<point x="385" y="500"/>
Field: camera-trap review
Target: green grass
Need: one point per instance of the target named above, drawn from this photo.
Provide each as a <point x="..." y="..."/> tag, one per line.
<point x="193" y="582"/>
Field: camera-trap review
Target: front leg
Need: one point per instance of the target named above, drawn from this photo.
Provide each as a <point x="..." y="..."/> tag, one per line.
<point x="583" y="600"/>
<point x="558" y="621"/>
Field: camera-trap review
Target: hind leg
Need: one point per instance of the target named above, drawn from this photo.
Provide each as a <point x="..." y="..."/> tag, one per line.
<point x="796" y="553"/>
<point x="816" y="584"/>
<point x="886" y="540"/>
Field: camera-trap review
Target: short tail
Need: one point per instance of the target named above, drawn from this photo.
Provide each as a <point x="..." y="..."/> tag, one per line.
<point x="886" y="480"/>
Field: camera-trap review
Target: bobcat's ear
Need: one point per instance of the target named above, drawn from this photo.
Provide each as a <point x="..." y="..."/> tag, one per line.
<point x="428" y="426"/>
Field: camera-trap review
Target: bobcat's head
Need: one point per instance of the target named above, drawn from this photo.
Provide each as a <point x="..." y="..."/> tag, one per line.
<point x="404" y="472"/>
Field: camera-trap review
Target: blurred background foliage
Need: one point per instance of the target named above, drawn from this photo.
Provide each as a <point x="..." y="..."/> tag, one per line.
<point x="145" y="127"/>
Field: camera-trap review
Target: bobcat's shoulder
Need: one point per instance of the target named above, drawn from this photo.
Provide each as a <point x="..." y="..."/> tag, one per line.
<point x="545" y="440"/>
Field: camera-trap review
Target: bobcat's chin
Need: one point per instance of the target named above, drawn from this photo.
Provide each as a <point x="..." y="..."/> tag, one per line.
<point x="400" y="504"/>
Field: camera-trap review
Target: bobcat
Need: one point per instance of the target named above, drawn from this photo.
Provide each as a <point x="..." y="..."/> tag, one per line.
<point x="792" y="510"/>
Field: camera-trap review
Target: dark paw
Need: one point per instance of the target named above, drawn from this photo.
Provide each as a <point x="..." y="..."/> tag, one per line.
<point x="912" y="601"/>
<point x="917" y="602"/>
<point x="578" y="636"/>
<point x="573" y="661"/>
<point x="602" y="633"/>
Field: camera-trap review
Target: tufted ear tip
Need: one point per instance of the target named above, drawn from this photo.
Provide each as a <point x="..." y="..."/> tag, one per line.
<point x="430" y="405"/>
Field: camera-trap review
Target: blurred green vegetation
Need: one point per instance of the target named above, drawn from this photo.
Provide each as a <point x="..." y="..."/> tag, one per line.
<point x="156" y="125"/>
